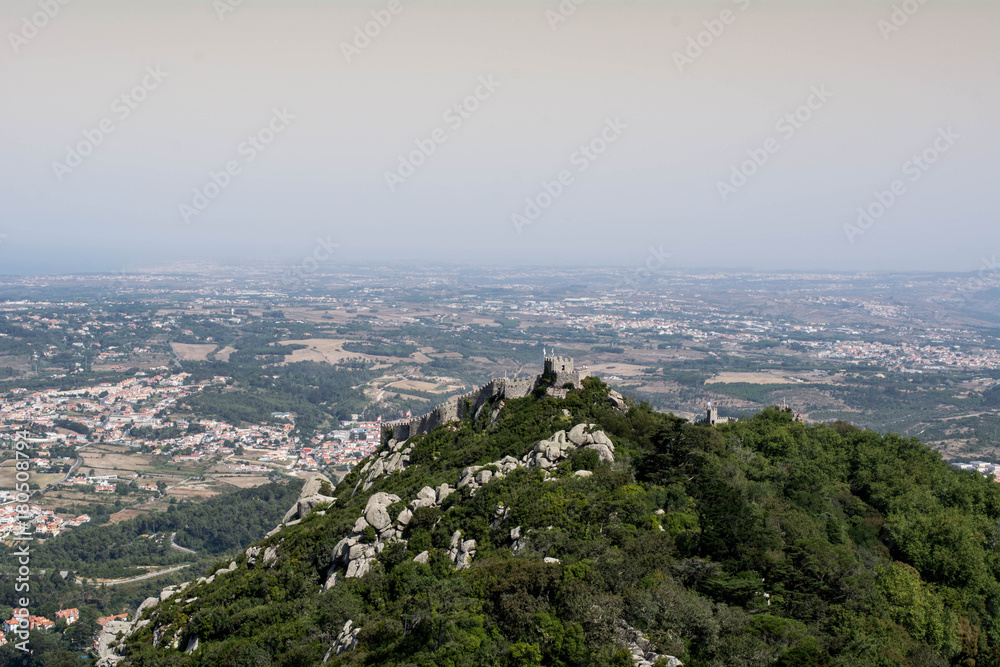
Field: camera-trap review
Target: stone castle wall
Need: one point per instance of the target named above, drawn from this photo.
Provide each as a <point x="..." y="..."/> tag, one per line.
<point x="469" y="405"/>
<point x="458" y="408"/>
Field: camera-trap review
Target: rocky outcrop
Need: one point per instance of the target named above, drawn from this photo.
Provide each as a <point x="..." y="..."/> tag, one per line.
<point x="641" y="648"/>
<point x="168" y="592"/>
<point x="384" y="521"/>
<point x="395" y="457"/>
<point x="107" y="643"/>
<point x="359" y="556"/>
<point x="225" y="570"/>
<point x="617" y="401"/>
<point x="586" y="436"/>
<point x="515" y="538"/>
<point x="266" y="556"/>
<point x="357" y="553"/>
<point x="148" y="603"/>
<point x="546" y="455"/>
<point x="252" y="553"/>
<point x="461" y="552"/>
<point x="347" y="640"/>
<point x="309" y="498"/>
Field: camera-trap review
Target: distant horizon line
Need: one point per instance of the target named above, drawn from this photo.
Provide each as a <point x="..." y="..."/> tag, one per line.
<point x="265" y="265"/>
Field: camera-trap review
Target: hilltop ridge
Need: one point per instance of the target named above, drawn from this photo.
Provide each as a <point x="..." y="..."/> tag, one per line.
<point x="571" y="527"/>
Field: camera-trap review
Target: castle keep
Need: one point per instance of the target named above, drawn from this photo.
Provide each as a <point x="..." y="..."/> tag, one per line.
<point x="460" y="407"/>
<point x="562" y="369"/>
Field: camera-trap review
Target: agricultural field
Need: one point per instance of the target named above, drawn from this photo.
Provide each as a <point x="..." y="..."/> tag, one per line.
<point x="7" y="473"/>
<point x="192" y="352"/>
<point x="106" y="459"/>
<point x="326" y="350"/>
<point x="764" y="377"/>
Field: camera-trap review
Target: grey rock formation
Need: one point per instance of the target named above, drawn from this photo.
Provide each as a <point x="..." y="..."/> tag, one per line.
<point x="347" y="640"/>
<point x="107" y="645"/>
<point x="603" y="453"/>
<point x="148" y="603"/>
<point x="270" y="555"/>
<point x="309" y="497"/>
<point x="394" y="457"/>
<point x="461" y="552"/>
<point x="304" y="506"/>
<point x="357" y="556"/>
<point x="640" y="647"/>
<point x="617" y="401"/>
<point x="378" y="518"/>
<point x="252" y="553"/>
<point x="375" y="511"/>
<point x="443" y="492"/>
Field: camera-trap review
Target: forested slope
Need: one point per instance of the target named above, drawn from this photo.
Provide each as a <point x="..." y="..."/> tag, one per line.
<point x="762" y="542"/>
<point x="214" y="527"/>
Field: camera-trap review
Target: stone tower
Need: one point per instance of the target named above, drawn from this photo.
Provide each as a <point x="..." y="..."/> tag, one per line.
<point x="563" y="370"/>
<point x="713" y="415"/>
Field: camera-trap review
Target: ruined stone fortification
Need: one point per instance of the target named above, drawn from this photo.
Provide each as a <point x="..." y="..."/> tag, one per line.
<point x="455" y="409"/>
<point x="563" y="372"/>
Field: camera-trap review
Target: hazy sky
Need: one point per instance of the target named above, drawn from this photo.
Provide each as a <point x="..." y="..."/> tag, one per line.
<point x="92" y="180"/>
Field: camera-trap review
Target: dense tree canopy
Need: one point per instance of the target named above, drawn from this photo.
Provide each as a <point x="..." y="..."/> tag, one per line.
<point x="760" y="542"/>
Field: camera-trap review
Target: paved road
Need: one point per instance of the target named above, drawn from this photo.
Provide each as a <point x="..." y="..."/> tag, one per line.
<point x="178" y="547"/>
<point x="140" y="578"/>
<point x="79" y="462"/>
<point x="974" y="414"/>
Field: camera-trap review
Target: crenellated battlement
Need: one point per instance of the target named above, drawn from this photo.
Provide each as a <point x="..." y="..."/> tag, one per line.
<point x="562" y="370"/>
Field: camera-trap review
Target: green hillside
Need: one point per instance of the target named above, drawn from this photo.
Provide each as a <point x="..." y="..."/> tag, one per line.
<point x="761" y="542"/>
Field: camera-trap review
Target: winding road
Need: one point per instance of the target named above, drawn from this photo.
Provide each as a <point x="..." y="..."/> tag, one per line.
<point x="174" y="545"/>
<point x="139" y="578"/>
